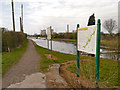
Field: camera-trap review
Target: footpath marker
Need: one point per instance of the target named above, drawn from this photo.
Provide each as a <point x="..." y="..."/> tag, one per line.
<point x="51" y="40"/>
<point x="88" y="40"/>
<point x="49" y="37"/>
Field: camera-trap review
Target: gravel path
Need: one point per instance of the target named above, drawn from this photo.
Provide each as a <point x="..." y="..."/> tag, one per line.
<point x="27" y="65"/>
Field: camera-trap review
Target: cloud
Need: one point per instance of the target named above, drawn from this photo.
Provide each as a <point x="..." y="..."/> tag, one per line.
<point x="40" y="14"/>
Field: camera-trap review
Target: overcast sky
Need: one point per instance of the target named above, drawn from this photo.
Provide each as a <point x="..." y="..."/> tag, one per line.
<point x="40" y="14"/>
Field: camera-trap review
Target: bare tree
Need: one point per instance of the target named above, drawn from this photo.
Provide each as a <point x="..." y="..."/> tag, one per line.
<point x="110" y="25"/>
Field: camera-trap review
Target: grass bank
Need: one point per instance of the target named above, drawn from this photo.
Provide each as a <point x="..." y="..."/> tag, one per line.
<point x="108" y="74"/>
<point x="108" y="68"/>
<point x="11" y="58"/>
<point x="45" y="62"/>
<point x="111" y="44"/>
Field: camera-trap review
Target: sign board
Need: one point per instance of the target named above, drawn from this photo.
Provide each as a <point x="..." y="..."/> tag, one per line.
<point x="49" y="33"/>
<point x="87" y="39"/>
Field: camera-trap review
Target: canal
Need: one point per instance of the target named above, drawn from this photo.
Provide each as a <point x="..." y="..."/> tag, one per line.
<point x="71" y="48"/>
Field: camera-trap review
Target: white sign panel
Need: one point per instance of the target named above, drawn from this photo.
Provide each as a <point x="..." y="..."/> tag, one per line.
<point x="87" y="39"/>
<point x="48" y="33"/>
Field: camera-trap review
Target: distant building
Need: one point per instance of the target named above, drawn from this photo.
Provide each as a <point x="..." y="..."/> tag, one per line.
<point x="67" y="28"/>
<point x="43" y="32"/>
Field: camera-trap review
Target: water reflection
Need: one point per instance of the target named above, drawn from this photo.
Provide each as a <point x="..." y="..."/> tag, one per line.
<point x="71" y="48"/>
<point x="57" y="46"/>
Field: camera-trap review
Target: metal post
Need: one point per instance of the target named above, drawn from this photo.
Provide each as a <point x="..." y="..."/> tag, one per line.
<point x="48" y="45"/>
<point x="77" y="53"/>
<point x="22" y="18"/>
<point x="20" y="24"/>
<point x="51" y="41"/>
<point x="13" y="15"/>
<point x="22" y="12"/>
<point x="97" y="52"/>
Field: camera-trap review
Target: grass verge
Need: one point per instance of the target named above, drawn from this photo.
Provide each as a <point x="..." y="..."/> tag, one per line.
<point x="113" y="44"/>
<point x="11" y="58"/>
<point x="45" y="62"/>
<point x="108" y="74"/>
<point x="108" y="68"/>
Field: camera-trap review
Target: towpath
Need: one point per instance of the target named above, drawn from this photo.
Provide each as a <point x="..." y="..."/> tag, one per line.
<point x="27" y="65"/>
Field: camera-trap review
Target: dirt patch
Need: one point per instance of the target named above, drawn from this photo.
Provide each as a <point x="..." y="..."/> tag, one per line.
<point x="51" y="57"/>
<point x="71" y="78"/>
<point x="85" y="60"/>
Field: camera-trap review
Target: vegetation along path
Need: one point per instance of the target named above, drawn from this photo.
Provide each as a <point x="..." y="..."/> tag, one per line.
<point x="27" y="65"/>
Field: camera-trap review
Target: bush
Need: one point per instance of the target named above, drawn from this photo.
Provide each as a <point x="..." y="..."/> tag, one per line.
<point x="12" y="40"/>
<point x="65" y="35"/>
<point x="55" y="35"/>
<point x="70" y="36"/>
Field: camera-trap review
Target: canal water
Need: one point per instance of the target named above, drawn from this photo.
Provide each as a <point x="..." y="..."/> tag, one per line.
<point x="71" y="48"/>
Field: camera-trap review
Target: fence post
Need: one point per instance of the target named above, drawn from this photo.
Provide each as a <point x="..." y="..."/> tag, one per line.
<point x="77" y="53"/>
<point x="97" y="52"/>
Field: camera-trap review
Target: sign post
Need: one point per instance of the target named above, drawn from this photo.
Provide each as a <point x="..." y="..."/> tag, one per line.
<point x="48" y="45"/>
<point x="88" y="40"/>
<point x="97" y="52"/>
<point x="51" y="41"/>
<point x="77" y="53"/>
<point x="49" y="38"/>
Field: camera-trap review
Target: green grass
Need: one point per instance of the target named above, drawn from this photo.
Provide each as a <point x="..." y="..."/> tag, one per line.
<point x="108" y="75"/>
<point x="108" y="68"/>
<point x="45" y="62"/>
<point x="11" y="58"/>
<point x="110" y="44"/>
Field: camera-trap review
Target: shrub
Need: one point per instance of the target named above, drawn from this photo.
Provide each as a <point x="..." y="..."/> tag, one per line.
<point x="12" y="40"/>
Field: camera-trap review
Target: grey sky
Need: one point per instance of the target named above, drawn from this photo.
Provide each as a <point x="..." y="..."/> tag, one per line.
<point x="40" y="14"/>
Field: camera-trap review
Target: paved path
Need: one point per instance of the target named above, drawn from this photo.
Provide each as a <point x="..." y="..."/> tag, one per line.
<point x="27" y="65"/>
<point x="37" y="80"/>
